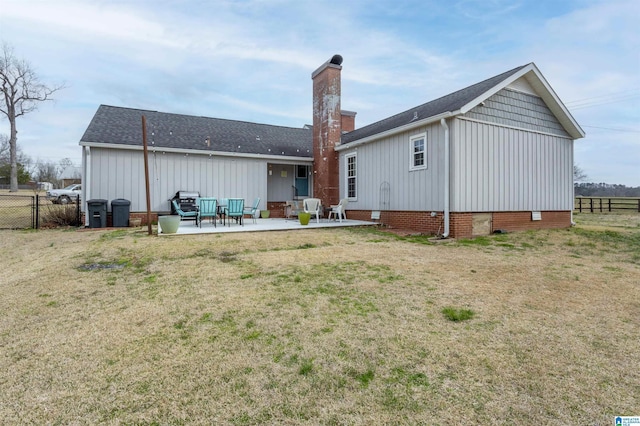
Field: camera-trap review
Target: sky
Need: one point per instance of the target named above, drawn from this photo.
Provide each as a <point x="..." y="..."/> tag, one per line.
<point x="251" y="60"/>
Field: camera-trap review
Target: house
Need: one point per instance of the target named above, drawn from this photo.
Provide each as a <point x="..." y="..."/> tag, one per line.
<point x="497" y="155"/>
<point x="211" y="156"/>
<point x="71" y="175"/>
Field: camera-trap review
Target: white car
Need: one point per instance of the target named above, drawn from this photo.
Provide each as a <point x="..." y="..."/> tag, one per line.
<point x="66" y="195"/>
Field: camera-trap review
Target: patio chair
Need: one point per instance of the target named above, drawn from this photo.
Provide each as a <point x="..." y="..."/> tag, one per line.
<point x="312" y="206"/>
<point x="208" y="208"/>
<point x="339" y="210"/>
<point x="235" y="209"/>
<point x="183" y="214"/>
<point x="292" y="208"/>
<point x="252" y="210"/>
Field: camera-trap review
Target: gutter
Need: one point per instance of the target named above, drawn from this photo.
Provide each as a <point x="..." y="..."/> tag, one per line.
<point x="157" y="149"/>
<point x="443" y="123"/>
<point x="86" y="183"/>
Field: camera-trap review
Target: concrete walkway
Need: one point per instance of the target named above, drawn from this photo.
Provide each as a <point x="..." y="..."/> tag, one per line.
<point x="275" y="224"/>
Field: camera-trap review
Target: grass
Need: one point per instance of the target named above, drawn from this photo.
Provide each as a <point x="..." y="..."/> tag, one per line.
<point x="455" y="315"/>
<point x="118" y="327"/>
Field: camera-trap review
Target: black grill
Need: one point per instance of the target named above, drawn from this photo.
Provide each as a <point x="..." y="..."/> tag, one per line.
<point x="186" y="200"/>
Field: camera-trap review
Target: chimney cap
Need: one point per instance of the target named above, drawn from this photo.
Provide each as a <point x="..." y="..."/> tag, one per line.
<point x="336" y="60"/>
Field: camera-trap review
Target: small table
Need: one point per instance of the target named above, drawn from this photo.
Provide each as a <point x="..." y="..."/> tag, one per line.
<point x="221" y="213"/>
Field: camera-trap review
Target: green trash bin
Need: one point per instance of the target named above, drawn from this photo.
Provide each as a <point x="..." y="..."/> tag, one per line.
<point x="120" y="212"/>
<point x="97" y="211"/>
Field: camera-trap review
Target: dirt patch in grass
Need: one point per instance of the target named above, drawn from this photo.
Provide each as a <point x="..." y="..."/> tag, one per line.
<point x="318" y="327"/>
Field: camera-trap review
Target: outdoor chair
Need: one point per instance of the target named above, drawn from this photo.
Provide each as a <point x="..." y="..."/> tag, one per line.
<point x="183" y="214"/>
<point x="313" y="207"/>
<point x="252" y="210"/>
<point x="208" y="208"/>
<point x="292" y="208"/>
<point x="339" y="210"/>
<point x="235" y="209"/>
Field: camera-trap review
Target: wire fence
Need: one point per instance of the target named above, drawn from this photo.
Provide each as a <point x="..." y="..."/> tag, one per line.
<point x="35" y="212"/>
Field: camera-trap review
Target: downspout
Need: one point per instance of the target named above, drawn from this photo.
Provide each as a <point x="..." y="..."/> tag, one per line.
<point x="443" y="123"/>
<point x="86" y="181"/>
<point x="573" y="188"/>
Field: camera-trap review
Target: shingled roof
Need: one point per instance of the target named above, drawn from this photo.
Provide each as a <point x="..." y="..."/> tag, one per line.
<point x="449" y="103"/>
<point x="123" y="126"/>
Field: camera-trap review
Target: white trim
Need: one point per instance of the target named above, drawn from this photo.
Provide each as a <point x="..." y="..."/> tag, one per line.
<point x="156" y="149"/>
<point x="506" y="126"/>
<point x="412" y="153"/>
<point x="395" y="130"/>
<point x="346" y="175"/>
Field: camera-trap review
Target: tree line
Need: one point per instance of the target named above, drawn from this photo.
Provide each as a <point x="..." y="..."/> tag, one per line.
<point x="582" y="188"/>
<point x="591" y="189"/>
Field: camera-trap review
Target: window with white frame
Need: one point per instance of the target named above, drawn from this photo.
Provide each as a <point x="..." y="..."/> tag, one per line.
<point x="418" y="147"/>
<point x="351" y="176"/>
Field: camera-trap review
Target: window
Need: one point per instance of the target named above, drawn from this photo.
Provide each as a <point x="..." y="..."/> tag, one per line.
<point x="351" y="176"/>
<point x="301" y="172"/>
<point x="418" y="146"/>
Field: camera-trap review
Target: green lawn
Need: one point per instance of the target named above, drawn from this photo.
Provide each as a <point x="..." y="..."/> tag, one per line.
<point x="332" y="327"/>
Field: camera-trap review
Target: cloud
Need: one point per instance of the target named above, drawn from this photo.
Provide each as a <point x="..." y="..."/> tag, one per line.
<point x="252" y="60"/>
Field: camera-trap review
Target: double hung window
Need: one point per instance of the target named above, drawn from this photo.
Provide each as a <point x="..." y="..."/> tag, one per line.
<point x="351" y="176"/>
<point x="418" y="147"/>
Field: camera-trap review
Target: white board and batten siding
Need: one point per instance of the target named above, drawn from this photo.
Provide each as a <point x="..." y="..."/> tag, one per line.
<point x="116" y="173"/>
<point x="388" y="160"/>
<point x="511" y="154"/>
<point x="497" y="168"/>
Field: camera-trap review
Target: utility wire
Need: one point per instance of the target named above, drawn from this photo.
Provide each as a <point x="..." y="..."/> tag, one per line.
<point x="604" y="99"/>
<point x="613" y="129"/>
<point x="624" y="93"/>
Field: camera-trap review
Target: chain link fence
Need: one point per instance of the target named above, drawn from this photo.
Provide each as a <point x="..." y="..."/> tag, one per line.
<point x="19" y="211"/>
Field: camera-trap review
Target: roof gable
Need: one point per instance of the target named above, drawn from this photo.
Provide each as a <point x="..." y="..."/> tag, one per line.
<point x="123" y="126"/>
<point x="462" y="101"/>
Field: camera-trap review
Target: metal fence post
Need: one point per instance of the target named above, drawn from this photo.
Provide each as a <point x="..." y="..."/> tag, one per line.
<point x="37" y="221"/>
<point x="78" y="210"/>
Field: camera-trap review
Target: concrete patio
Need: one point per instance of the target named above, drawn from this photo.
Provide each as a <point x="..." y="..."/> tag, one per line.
<point x="271" y="224"/>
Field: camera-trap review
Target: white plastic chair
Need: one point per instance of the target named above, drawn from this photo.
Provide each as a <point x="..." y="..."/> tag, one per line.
<point x="312" y="206"/>
<point x="339" y="210"/>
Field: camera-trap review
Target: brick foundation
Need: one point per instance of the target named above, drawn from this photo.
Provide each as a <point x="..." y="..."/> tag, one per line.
<point x="418" y="222"/>
<point x="521" y="221"/>
<point x="461" y="224"/>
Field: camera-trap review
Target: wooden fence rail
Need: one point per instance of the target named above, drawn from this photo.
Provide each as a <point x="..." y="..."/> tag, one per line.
<point x="606" y="204"/>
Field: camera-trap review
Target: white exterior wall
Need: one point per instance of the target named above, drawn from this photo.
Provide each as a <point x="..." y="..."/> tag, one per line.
<point x="117" y="173"/>
<point x="388" y="160"/>
<point x="499" y="168"/>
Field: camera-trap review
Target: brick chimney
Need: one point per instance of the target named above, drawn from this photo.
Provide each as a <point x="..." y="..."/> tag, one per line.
<point x="328" y="122"/>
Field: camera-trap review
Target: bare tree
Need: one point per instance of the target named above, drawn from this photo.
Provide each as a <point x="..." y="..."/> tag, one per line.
<point x="4" y="147"/>
<point x="21" y="93"/>
<point x="579" y="175"/>
<point x="5" y="158"/>
<point x="46" y="171"/>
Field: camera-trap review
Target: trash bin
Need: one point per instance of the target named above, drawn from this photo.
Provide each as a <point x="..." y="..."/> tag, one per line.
<point x="120" y="212"/>
<point x="97" y="211"/>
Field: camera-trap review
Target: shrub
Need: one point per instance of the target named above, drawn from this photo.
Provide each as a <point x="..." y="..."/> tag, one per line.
<point x="60" y="215"/>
